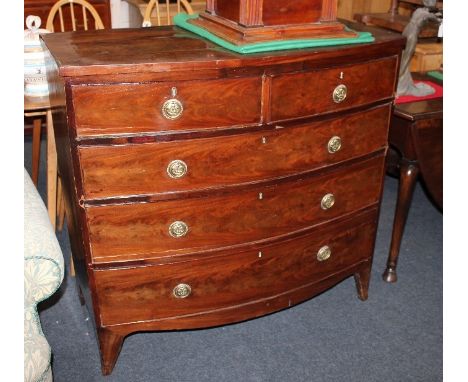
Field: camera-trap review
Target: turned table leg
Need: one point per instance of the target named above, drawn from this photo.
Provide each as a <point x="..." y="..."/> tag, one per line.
<point x="408" y="176"/>
<point x="110" y="343"/>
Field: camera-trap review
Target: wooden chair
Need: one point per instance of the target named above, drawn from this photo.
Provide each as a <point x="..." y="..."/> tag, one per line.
<point x="37" y="108"/>
<point x="79" y="19"/>
<point x="161" y="14"/>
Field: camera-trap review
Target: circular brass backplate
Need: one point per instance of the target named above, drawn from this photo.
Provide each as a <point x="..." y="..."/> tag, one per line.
<point x="177" y="168"/>
<point x="172" y="109"/>
<point x="340" y="93"/>
<point x="182" y="291"/>
<point x="334" y="144"/>
<point x="324" y="253"/>
<point x="178" y="229"/>
<point x="327" y="201"/>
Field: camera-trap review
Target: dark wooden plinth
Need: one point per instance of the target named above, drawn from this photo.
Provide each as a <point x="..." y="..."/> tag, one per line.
<point x="239" y="35"/>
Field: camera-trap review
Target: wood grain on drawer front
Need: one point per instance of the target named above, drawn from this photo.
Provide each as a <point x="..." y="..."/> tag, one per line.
<point x="110" y="171"/>
<point x="141" y="230"/>
<point x="310" y="93"/>
<point x="132" y="108"/>
<point x="233" y="279"/>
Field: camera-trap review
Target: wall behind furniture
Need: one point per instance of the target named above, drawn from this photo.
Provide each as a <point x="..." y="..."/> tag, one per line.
<point x="347" y="8"/>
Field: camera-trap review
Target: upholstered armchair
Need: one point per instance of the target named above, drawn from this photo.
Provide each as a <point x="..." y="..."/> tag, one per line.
<point x="43" y="274"/>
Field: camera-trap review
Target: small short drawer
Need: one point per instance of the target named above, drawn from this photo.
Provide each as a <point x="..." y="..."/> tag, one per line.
<point x="322" y="91"/>
<point x="193" y="225"/>
<point x="151" y="168"/>
<point x="166" y="106"/>
<point x="230" y="279"/>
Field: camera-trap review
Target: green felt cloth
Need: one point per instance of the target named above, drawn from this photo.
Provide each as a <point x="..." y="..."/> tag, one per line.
<point x="436" y="74"/>
<point x="182" y="18"/>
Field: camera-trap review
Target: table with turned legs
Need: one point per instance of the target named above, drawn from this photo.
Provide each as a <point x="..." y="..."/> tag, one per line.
<point x="416" y="151"/>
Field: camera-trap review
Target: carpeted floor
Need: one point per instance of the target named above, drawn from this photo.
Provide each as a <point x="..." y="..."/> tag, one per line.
<point x="395" y="336"/>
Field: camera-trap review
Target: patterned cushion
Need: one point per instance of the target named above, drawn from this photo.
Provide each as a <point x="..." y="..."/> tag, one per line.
<point x="43" y="274"/>
<point x="42" y="277"/>
<point x="43" y="259"/>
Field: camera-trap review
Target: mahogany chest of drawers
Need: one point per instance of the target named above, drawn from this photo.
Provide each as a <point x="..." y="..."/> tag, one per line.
<point x="204" y="187"/>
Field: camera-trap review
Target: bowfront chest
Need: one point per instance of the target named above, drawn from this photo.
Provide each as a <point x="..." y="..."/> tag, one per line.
<point x="205" y="187"/>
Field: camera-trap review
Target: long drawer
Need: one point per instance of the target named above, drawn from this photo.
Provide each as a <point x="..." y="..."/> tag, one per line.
<point x="320" y="91"/>
<point x="110" y="171"/>
<point x="166" y="106"/>
<point x="171" y="291"/>
<point x="181" y="226"/>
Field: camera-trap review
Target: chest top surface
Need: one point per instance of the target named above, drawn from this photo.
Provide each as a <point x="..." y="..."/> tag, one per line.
<point x="163" y="49"/>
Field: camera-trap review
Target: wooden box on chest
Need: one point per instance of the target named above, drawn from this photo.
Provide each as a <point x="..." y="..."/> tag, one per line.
<point x="273" y="12"/>
<point x="255" y="21"/>
<point x="204" y="187"/>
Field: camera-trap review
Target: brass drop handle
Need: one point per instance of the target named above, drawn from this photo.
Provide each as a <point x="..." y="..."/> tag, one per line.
<point x="334" y="144"/>
<point x="327" y="201"/>
<point x="324" y="253"/>
<point x="177" y="169"/>
<point x="340" y="93"/>
<point x="182" y="291"/>
<point x="172" y="108"/>
<point x="178" y="229"/>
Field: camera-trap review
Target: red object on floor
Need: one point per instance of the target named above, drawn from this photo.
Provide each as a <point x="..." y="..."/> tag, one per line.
<point x="438" y="94"/>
